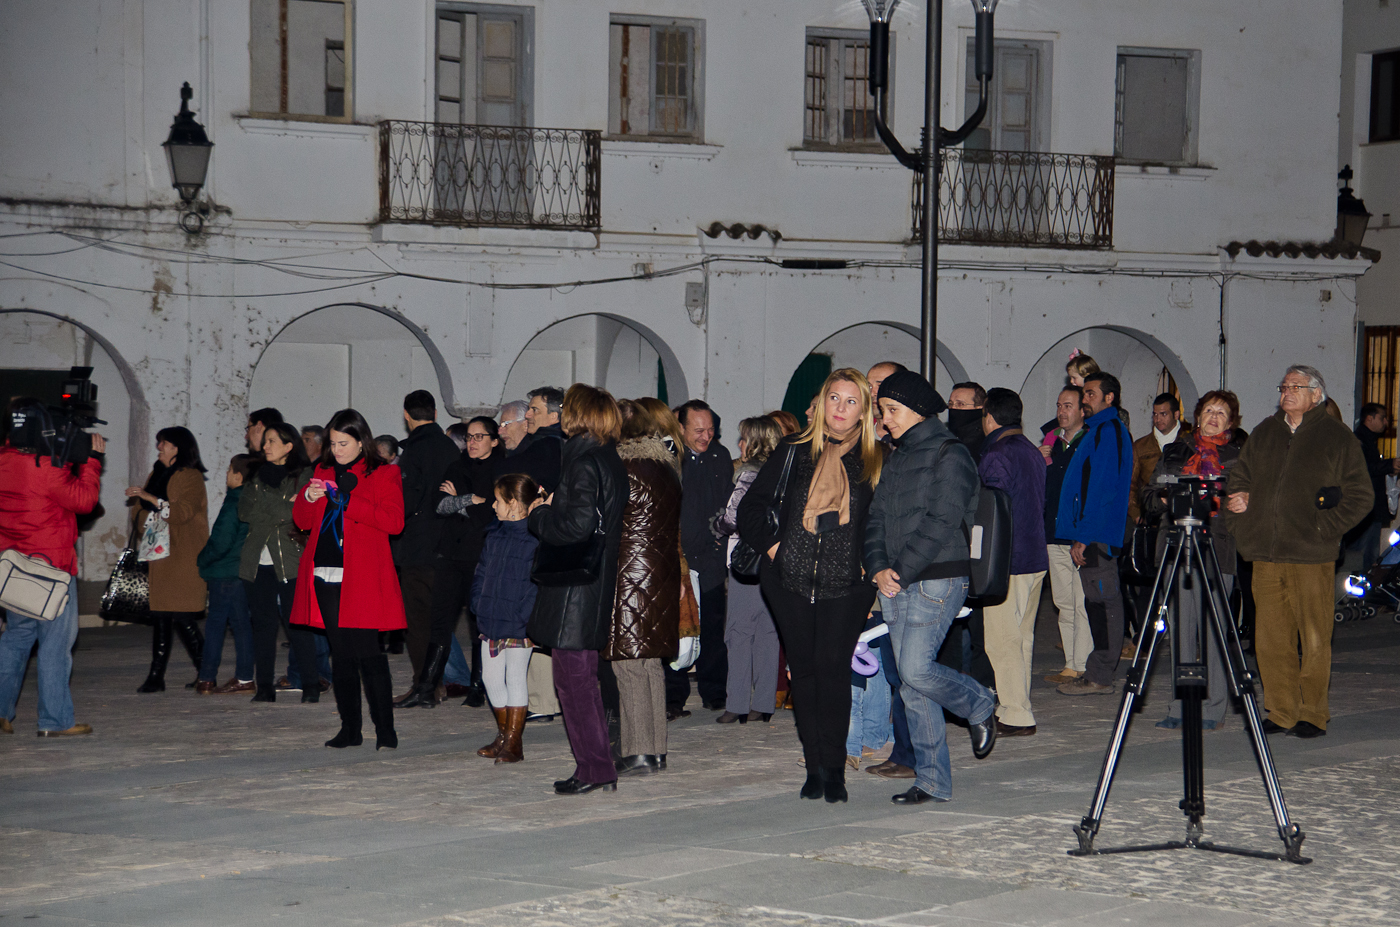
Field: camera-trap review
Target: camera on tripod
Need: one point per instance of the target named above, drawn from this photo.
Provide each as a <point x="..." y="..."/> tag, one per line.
<point x="1193" y="497"/>
<point x="59" y="429"/>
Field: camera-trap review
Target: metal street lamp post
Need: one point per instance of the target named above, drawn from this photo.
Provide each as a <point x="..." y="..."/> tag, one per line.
<point x="925" y="159"/>
<point x="1352" y="216"/>
<point x="187" y="150"/>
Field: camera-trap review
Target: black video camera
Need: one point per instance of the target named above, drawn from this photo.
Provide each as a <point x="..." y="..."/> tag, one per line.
<point x="58" y="430"/>
<point x="1194" y="497"/>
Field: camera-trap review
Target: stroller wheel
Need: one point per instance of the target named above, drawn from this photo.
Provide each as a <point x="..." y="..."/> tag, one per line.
<point x="1368" y="611"/>
<point x="1339" y="616"/>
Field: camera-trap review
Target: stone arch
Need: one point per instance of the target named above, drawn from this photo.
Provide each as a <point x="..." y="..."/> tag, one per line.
<point x="605" y="333"/>
<point x="869" y="351"/>
<point x="1127" y="353"/>
<point x="440" y="369"/>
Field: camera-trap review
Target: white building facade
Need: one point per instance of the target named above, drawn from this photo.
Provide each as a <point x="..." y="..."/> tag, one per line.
<point x="717" y="211"/>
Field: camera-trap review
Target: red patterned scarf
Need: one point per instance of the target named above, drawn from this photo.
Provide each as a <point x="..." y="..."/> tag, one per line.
<point x="1206" y="461"/>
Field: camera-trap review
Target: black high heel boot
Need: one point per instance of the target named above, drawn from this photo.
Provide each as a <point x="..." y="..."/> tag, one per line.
<point x="424" y="694"/>
<point x="476" y="691"/>
<point x="379" y="693"/>
<point x="834" y="783"/>
<point x="345" y="683"/>
<point x="160" y="655"/>
<point x="193" y="639"/>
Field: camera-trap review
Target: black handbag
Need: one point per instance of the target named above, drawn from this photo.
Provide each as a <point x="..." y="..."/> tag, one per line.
<point x="576" y="564"/>
<point x="989" y="548"/>
<point x="128" y="593"/>
<point x="744" y="560"/>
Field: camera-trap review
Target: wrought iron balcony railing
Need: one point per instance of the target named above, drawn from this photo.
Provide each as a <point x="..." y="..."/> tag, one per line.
<point x="489" y="176"/>
<point x="1026" y="198"/>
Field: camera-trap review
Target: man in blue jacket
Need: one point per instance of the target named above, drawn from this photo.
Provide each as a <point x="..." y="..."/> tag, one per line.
<point x="1094" y="517"/>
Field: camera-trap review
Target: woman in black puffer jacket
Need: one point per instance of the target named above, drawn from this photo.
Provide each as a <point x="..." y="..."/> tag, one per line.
<point x="812" y="574"/>
<point x="574" y="620"/>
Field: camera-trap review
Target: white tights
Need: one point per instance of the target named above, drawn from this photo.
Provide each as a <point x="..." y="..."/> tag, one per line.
<point x="504" y="675"/>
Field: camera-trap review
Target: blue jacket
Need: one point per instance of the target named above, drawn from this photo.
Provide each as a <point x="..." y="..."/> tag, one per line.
<point x="221" y="553"/>
<point x="1012" y="463"/>
<point x="502" y="595"/>
<point x="1094" y="496"/>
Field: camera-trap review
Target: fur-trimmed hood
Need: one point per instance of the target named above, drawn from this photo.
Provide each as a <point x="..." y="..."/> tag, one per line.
<point x="648" y="448"/>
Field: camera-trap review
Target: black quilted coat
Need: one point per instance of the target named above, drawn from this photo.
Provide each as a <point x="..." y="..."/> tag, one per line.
<point x="592" y="482"/>
<point x="646" y="617"/>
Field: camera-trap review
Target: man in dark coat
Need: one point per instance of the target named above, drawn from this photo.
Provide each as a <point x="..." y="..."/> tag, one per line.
<point x="538" y="454"/>
<point x="1367" y="535"/>
<point x="707" y="477"/>
<point x="423" y="460"/>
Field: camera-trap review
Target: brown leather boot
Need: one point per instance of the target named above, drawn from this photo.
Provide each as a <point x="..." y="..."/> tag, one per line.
<point x="493" y="749"/>
<point x="512" y="751"/>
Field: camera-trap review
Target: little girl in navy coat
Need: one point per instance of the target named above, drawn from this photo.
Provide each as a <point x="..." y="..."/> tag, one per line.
<point x="502" y="599"/>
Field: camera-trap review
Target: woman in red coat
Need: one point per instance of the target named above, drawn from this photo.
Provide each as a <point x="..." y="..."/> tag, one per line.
<point x="346" y="582"/>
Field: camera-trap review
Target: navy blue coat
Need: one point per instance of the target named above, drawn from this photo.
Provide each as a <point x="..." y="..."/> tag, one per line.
<point x="502" y="595"/>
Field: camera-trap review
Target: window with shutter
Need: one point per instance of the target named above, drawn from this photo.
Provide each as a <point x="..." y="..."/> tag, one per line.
<point x="301" y="60"/>
<point x="838" y="107"/>
<point x="1018" y="104"/>
<point x="1157" y="103"/>
<point x="655" y="78"/>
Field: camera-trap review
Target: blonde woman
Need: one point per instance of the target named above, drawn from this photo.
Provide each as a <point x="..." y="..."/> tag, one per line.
<point x="811" y="574"/>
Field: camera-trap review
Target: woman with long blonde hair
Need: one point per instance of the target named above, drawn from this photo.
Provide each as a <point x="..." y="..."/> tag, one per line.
<point x="822" y="481"/>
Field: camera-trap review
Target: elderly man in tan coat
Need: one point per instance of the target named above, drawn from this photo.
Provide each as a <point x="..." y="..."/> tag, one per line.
<point x="1300" y="484"/>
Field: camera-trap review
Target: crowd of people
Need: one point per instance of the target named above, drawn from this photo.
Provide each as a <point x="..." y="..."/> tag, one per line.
<point x="602" y="552"/>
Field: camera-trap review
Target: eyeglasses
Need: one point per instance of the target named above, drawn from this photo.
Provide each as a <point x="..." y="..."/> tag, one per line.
<point x="514" y="421"/>
<point x="1293" y="388"/>
<point x="482" y="437"/>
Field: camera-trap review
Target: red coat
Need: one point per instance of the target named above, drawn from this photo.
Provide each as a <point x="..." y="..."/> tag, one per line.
<point x="39" y="506"/>
<point x="370" y="595"/>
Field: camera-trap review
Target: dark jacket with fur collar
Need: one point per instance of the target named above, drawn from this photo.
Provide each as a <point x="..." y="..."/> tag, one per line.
<point x="646" y="617"/>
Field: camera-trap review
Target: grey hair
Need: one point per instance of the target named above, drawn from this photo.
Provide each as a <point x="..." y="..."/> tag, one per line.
<point x="1314" y="378"/>
<point x="512" y="412"/>
<point x="553" y="398"/>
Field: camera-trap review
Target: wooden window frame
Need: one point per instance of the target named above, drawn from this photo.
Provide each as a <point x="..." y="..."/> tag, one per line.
<point x="348" y="42"/>
<point x="1191" y="144"/>
<point x="696" y="133"/>
<point x="833" y="91"/>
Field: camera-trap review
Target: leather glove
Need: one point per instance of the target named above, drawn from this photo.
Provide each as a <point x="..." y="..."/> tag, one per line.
<point x="1329" y="497"/>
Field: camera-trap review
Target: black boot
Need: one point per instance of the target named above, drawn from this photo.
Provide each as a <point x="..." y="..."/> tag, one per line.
<point x="345" y="682"/>
<point x="834" y="783"/>
<point x="160" y="655"/>
<point x="424" y="694"/>
<point x="265" y="693"/>
<point x="379" y="693"/>
<point x="193" y="639"/>
<point x="476" y="690"/>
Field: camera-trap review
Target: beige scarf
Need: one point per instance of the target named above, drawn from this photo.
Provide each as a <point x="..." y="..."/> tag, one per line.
<point x="831" y="489"/>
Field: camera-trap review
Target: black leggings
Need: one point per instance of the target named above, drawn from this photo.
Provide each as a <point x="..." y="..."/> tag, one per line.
<point x="819" y="639"/>
<point x="346" y="643"/>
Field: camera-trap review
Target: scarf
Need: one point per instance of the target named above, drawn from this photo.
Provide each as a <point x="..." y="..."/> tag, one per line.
<point x="337" y="500"/>
<point x="830" y="490"/>
<point x="158" y="485"/>
<point x="271" y="474"/>
<point x="1206" y="461"/>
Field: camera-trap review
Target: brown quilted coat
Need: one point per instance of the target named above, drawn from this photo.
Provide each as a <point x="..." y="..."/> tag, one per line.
<point x="646" y="615"/>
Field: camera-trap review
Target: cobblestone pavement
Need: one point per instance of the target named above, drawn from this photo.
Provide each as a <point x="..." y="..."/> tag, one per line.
<point x="185" y="809"/>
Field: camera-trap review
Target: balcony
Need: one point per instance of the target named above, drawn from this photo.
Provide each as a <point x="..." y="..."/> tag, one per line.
<point x="1021" y="198"/>
<point x="489" y="176"/>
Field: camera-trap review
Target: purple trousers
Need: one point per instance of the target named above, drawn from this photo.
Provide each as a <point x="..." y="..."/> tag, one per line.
<point x="576" y="682"/>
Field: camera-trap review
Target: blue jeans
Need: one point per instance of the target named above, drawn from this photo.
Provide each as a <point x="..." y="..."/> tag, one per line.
<point x="870" y="714"/>
<point x="918" y="618"/>
<point x="228" y="609"/>
<point x="323" y="660"/>
<point x="56" y="640"/>
<point x="458" y="671"/>
<point x="903" y="752"/>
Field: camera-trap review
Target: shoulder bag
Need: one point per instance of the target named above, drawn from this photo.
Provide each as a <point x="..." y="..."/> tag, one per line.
<point x="744" y="560"/>
<point x="128" y="593"/>
<point x="576" y="564"/>
<point x="155" y="539"/>
<point x="32" y="587"/>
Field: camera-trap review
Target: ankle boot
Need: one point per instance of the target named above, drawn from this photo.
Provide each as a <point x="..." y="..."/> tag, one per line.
<point x="493" y="749"/>
<point x="345" y="682"/>
<point x="476" y="690"/>
<point x="834" y="783"/>
<point x="379" y="693"/>
<point x="160" y="655"/>
<point x="513" y="751"/>
<point x="424" y="694"/>
<point x="265" y="693"/>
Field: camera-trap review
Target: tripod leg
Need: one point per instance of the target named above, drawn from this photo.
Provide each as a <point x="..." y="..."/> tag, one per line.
<point x="1088" y="826"/>
<point x="1242" y="686"/>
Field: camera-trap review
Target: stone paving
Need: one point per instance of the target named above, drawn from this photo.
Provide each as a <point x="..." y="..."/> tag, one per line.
<point x="187" y="809"/>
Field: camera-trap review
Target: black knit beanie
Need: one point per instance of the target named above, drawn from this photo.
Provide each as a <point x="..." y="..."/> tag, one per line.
<point x="913" y="392"/>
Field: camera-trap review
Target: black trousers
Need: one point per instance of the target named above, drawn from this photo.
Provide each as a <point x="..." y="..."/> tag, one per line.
<point x="270" y="607"/>
<point x="452" y="586"/>
<point x="355" y="656"/>
<point x="417" y="585"/>
<point x="712" y="669"/>
<point x="819" y="639"/>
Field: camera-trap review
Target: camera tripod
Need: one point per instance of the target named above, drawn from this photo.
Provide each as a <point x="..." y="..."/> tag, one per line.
<point x="1190" y="548"/>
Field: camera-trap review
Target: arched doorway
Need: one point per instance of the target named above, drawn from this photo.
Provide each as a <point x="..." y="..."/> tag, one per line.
<point x="620" y="355"/>
<point x="37" y="349"/>
<point x="862" y="346"/>
<point x="1143" y="365"/>
<point x="349" y="355"/>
